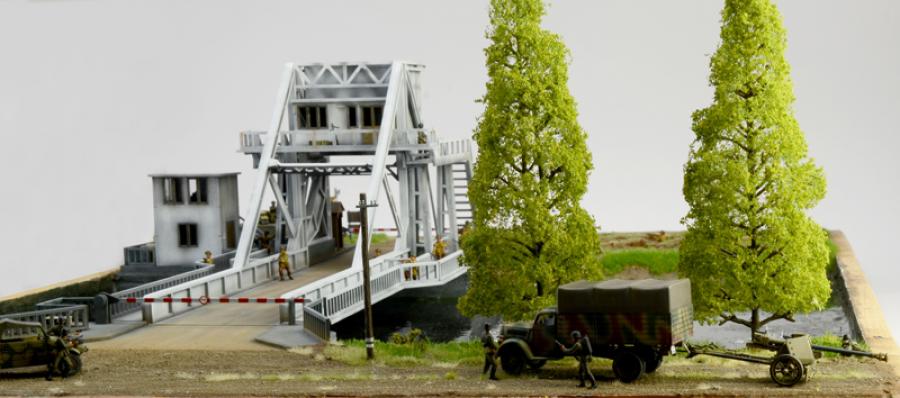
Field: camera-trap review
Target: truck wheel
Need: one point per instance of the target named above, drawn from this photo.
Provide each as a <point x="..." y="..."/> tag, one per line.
<point x="512" y="360"/>
<point x="628" y="366"/>
<point x="652" y="360"/>
<point x="786" y="370"/>
<point x="651" y="366"/>
<point x="535" y="365"/>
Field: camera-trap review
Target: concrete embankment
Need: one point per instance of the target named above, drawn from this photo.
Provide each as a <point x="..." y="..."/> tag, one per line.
<point x="867" y="313"/>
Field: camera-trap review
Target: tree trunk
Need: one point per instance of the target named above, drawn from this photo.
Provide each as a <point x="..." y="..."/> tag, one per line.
<point x="754" y="323"/>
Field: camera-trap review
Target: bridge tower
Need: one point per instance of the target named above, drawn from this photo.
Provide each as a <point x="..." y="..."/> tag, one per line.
<point x="370" y="113"/>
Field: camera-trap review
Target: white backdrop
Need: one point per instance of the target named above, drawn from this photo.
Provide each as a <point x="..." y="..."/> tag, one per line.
<point x="96" y="95"/>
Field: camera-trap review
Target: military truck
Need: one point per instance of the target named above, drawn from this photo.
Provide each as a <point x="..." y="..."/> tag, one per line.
<point x="633" y="322"/>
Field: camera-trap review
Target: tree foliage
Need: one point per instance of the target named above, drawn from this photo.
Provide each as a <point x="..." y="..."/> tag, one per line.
<point x="750" y="245"/>
<point x="530" y="234"/>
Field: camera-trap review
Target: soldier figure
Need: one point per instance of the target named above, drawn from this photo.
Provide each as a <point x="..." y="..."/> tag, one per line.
<point x="208" y="259"/>
<point x="284" y="264"/>
<point x="271" y="214"/>
<point x="490" y="352"/>
<point x="581" y="349"/>
<point x="440" y="248"/>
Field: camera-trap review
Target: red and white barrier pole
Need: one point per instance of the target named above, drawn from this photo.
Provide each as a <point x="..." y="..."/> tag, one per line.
<point x="206" y="300"/>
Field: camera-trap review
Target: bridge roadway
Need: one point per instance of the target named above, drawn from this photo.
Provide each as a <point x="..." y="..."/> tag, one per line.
<point x="228" y="326"/>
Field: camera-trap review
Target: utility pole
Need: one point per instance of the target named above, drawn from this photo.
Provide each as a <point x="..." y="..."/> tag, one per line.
<point x="367" y="290"/>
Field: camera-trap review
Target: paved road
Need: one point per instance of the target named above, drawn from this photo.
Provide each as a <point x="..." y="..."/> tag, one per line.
<point x="227" y="326"/>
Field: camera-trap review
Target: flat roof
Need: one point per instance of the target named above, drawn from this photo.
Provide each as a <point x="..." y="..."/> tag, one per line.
<point x="188" y="175"/>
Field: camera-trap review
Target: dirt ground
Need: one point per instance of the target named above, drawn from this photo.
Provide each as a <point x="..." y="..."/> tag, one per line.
<point x="637" y="240"/>
<point x="309" y="373"/>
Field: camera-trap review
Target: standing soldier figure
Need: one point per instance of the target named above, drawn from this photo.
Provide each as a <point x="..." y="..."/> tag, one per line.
<point x="284" y="264"/>
<point x="440" y="248"/>
<point x="271" y="214"/>
<point x="581" y="349"/>
<point x="490" y="352"/>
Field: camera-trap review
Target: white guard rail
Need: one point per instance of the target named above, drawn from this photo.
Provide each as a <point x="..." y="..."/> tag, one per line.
<point x="122" y="307"/>
<point x="341" y="295"/>
<point x="330" y="137"/>
<point x="257" y="271"/>
<point x="454" y="151"/>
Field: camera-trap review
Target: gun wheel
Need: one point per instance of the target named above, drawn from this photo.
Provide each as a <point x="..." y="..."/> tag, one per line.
<point x="786" y="370"/>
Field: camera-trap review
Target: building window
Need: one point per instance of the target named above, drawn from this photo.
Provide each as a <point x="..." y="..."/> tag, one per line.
<point x="351" y="117"/>
<point x="172" y="191"/>
<point x="371" y="116"/>
<point x="187" y="235"/>
<point x="197" y="190"/>
<point x="313" y="117"/>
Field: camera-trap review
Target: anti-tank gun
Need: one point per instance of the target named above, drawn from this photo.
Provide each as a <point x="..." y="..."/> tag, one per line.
<point x="793" y="356"/>
<point x="768" y="343"/>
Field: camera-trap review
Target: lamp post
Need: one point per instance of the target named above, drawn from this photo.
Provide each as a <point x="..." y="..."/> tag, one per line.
<point x="367" y="290"/>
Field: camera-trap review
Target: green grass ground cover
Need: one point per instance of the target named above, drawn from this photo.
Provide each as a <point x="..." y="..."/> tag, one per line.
<point x="376" y="238"/>
<point x="658" y="256"/>
<point x="448" y="355"/>
<point x="655" y="261"/>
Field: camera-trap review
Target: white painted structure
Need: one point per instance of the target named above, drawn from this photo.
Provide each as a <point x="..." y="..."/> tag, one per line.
<point x="193" y="213"/>
<point x="372" y="114"/>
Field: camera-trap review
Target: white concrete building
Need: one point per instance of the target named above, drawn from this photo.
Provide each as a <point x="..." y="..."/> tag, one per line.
<point x="194" y="213"/>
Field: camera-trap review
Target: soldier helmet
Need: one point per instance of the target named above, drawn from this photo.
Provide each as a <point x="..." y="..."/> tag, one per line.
<point x="576" y="334"/>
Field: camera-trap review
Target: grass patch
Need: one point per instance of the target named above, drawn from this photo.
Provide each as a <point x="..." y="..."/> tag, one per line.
<point x="376" y="239"/>
<point x="230" y="377"/>
<point x="830" y="340"/>
<point x="441" y="355"/>
<point x="832" y="256"/>
<point x="656" y="261"/>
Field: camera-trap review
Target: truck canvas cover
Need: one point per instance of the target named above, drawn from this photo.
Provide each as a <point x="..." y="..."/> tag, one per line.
<point x="617" y="296"/>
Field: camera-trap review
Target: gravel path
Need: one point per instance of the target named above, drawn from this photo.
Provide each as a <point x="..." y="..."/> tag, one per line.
<point x="282" y="373"/>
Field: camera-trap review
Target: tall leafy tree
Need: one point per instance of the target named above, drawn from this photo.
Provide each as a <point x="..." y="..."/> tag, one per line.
<point x="750" y="247"/>
<point x="530" y="234"/>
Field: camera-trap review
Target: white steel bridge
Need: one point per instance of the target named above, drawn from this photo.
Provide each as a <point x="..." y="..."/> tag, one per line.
<point x="371" y="114"/>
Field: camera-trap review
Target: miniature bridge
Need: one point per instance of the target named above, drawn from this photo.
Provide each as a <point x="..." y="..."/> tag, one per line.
<point x="370" y="113"/>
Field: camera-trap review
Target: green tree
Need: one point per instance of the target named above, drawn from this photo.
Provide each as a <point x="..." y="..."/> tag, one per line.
<point x="530" y="234"/>
<point x="750" y="245"/>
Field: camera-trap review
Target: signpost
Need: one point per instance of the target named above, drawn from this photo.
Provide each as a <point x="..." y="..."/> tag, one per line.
<point x="367" y="290"/>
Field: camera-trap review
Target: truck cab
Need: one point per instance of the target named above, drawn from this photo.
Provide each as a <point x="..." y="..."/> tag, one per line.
<point x="523" y="345"/>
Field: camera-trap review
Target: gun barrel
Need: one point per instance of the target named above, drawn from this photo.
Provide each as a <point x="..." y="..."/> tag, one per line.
<point x="878" y="356"/>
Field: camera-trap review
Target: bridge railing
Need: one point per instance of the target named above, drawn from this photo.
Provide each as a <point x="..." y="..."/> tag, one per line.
<point x="339" y="282"/>
<point x="342" y="303"/>
<point x="122" y="307"/>
<point x="341" y="295"/>
<point x="316" y="323"/>
<point x="73" y="317"/>
<point x="338" y="137"/>
<point x="140" y="254"/>
<point x="432" y="272"/>
<point x="453" y="151"/>
<point x="257" y="271"/>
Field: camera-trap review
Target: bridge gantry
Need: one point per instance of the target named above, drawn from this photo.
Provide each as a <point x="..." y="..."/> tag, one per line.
<point x="325" y="114"/>
<point x="369" y="112"/>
